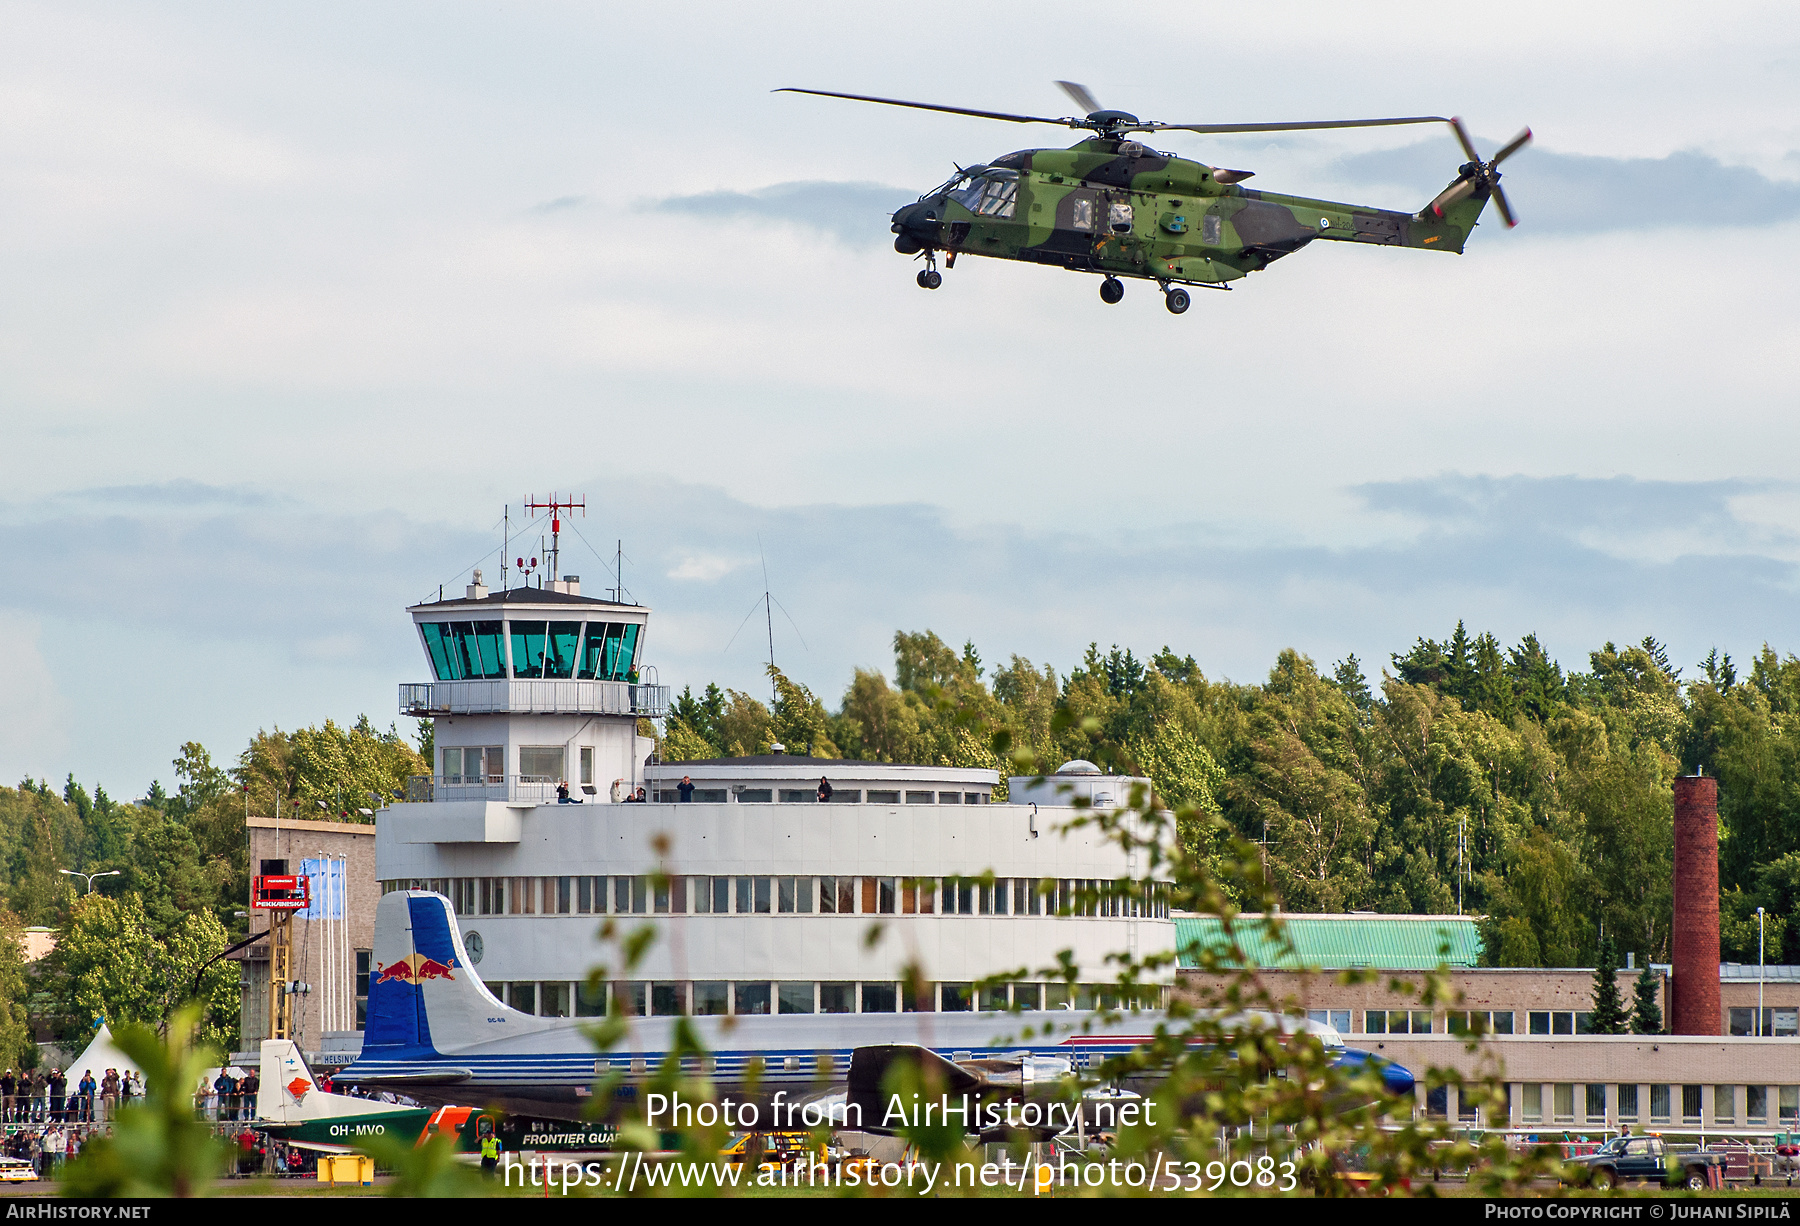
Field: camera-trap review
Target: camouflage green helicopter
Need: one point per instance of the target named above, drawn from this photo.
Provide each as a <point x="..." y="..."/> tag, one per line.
<point x="1112" y="206"/>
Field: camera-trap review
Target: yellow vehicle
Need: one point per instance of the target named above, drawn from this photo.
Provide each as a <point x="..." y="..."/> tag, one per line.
<point x="16" y="1170"/>
<point x="778" y="1148"/>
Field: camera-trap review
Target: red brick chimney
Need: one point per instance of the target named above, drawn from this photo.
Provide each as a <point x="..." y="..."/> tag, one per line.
<point x="1694" y="936"/>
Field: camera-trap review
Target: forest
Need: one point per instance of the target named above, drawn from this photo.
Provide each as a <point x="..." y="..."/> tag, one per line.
<point x="1468" y="777"/>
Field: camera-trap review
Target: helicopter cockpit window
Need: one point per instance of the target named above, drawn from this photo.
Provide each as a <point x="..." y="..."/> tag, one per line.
<point x="1118" y="216"/>
<point x="1081" y="213"/>
<point x="999" y="196"/>
<point x="967" y="192"/>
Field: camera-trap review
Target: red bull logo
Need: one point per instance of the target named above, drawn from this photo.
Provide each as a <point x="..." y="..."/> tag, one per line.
<point x="416" y="968"/>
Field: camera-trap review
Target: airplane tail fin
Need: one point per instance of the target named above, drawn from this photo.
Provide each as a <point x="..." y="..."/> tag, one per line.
<point x="424" y="994"/>
<point x="288" y="1093"/>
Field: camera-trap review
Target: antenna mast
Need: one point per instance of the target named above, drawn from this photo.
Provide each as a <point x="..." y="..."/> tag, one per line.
<point x="505" y="541"/>
<point x="555" y="507"/>
<point x="769" y="614"/>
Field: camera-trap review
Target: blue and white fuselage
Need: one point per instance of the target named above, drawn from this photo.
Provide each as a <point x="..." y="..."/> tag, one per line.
<point x="437" y="1034"/>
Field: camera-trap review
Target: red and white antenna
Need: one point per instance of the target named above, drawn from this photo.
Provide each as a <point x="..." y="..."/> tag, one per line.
<point x="555" y="507"/>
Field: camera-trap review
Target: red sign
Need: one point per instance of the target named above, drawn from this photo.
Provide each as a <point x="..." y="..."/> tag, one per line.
<point x="280" y="893"/>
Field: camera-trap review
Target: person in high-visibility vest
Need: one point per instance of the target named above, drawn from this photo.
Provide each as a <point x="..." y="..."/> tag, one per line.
<point x="490" y="1147"/>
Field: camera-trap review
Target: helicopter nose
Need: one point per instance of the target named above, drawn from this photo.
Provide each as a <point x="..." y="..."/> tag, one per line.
<point x="916" y="226"/>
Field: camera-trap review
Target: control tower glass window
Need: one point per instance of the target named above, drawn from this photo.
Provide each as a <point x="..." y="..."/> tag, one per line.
<point x="463" y="650"/>
<point x="529" y="642"/>
<point x="560" y="660"/>
<point x="608" y="651"/>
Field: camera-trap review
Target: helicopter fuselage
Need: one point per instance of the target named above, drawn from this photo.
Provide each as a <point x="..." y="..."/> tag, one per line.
<point x="1118" y="208"/>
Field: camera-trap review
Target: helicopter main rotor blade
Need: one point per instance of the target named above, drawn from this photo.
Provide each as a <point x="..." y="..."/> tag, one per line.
<point x="1511" y="147"/>
<point x="924" y="106"/>
<point x="1290" y="127"/>
<point x="1079" y="95"/>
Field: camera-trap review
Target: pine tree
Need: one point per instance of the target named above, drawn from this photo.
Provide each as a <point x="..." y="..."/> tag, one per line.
<point x="1609" y="1010"/>
<point x="1646" y="1015"/>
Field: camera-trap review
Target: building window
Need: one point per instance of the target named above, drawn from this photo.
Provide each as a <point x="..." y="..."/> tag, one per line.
<point x="995" y="999"/>
<point x="1533" y="1106"/>
<point x="1659" y="1104"/>
<point x="1596" y="1104"/>
<point x="765" y="902"/>
<point x="1337" y="1019"/>
<point x="629" y="998"/>
<point x="1724" y="1104"/>
<point x="883" y="798"/>
<point x="837" y="998"/>
<point x="1056" y="996"/>
<point x="1628" y="1101"/>
<point x="712" y="998"/>
<point x="755" y="796"/>
<point x="752" y="998"/>
<point x="1690" y="1104"/>
<point x="553" y="1000"/>
<point x="920" y="998"/>
<point x="921" y="798"/>
<point x="667" y="999"/>
<point x="957" y="998"/>
<point x="949" y="798"/>
<point x="885" y="890"/>
<point x="1789" y="1099"/>
<point x="721" y="895"/>
<point x="1437" y="1101"/>
<point x="795" y="997"/>
<point x="799" y="796"/>
<point x="1756" y="1104"/>
<point x="541" y="763"/>
<point x="1478" y="1021"/>
<point x="879" y="998"/>
<point x="522" y="996"/>
<point x="846" y="796"/>
<point x="1028" y="996"/>
<point x="590" y="1001"/>
<point x="1564" y="1102"/>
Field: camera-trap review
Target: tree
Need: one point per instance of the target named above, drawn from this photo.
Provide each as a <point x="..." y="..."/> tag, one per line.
<point x="1609" y="1015"/>
<point x="110" y="963"/>
<point x="1646" y="1014"/>
<point x="799" y="718"/>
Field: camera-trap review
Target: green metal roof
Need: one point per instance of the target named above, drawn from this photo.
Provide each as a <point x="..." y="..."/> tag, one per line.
<point x="1337" y="942"/>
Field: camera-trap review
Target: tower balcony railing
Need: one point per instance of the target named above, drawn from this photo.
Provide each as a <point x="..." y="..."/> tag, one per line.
<point x="534" y="698"/>
<point x="534" y="789"/>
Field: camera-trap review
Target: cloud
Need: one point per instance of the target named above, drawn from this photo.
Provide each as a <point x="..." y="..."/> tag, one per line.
<point x="1582" y="193"/>
<point x="210" y="626"/>
<point x="34" y="718"/>
<point x="850" y="212"/>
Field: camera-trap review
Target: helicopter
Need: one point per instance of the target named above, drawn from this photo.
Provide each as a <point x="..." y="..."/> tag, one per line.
<point x="1111" y="205"/>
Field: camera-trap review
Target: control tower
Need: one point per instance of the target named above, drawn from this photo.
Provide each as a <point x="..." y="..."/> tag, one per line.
<point x="536" y="689"/>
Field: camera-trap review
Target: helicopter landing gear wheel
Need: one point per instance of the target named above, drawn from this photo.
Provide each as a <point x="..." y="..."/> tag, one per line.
<point x="1111" y="290"/>
<point x="930" y="278"/>
<point x="1177" y="301"/>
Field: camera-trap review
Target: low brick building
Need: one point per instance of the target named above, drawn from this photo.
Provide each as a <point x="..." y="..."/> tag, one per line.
<point x="1558" y="1074"/>
<point x="331" y="953"/>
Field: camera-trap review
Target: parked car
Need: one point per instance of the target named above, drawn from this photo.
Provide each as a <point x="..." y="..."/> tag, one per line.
<point x="16" y="1170"/>
<point x="1648" y="1158"/>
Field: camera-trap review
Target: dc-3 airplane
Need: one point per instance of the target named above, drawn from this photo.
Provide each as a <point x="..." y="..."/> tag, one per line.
<point x="437" y="1035"/>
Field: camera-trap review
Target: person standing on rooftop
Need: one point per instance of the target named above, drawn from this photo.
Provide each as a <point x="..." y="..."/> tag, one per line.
<point x="824" y="789"/>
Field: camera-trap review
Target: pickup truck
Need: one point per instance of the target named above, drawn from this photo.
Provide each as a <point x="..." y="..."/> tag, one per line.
<point x="1649" y="1159"/>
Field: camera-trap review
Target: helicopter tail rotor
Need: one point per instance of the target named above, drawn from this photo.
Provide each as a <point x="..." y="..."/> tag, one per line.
<point x="1479" y="176"/>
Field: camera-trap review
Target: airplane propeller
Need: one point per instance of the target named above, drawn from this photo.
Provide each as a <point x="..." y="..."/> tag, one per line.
<point x="1478" y="174"/>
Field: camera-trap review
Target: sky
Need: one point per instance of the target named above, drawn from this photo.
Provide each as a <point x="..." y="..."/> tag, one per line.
<point x="298" y="298"/>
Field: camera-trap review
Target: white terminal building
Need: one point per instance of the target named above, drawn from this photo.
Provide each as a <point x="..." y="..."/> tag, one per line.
<point x="763" y="897"/>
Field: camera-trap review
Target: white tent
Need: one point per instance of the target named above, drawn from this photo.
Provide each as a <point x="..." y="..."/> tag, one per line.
<point x="99" y="1056"/>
